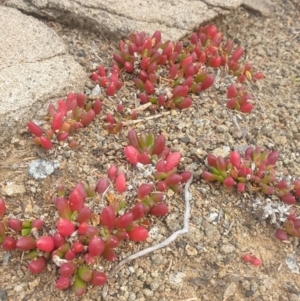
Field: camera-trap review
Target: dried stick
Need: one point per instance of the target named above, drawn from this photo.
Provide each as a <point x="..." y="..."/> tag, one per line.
<point x="184" y="230"/>
<point x="146" y="118"/>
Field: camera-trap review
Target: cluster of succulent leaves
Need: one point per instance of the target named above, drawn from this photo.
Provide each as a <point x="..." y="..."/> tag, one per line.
<point x="168" y="74"/>
<point x="82" y="238"/>
<point x="256" y="172"/>
<point x="72" y="113"/>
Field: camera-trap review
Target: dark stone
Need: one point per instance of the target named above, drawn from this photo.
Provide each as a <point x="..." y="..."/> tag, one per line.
<point x="249" y="293"/>
<point x="185" y="139"/>
<point x="3" y="294"/>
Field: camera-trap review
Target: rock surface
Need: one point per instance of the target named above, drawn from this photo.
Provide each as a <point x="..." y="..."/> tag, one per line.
<point x="117" y="19"/>
<point x="34" y="69"/>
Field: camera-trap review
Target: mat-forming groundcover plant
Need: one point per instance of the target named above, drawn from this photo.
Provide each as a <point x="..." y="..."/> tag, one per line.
<point x="166" y="75"/>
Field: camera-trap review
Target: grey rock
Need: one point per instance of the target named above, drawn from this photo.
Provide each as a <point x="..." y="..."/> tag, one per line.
<point x="117" y="19"/>
<point x="176" y="278"/>
<point x="224" y="151"/>
<point x="40" y="169"/>
<point x="3" y="294"/>
<point x="266" y="7"/>
<point x="212" y="235"/>
<point x="229" y="4"/>
<point x="34" y="70"/>
<point x="11" y="189"/>
<point x="228" y="248"/>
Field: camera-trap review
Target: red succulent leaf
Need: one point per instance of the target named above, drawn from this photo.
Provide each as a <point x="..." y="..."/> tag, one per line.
<point x="288" y="199"/>
<point x="149" y="88"/>
<point x="84" y="214"/>
<point x="215" y="61"/>
<point x="111" y="89"/>
<point x="77" y="247"/>
<point x="132" y="154"/>
<point x="63" y="283"/>
<point x="296" y="222"/>
<point x="37" y="266"/>
<point x="91" y="231"/>
<point x="67" y="269"/>
<point x="124" y="221"/>
<point x="258" y="75"/>
<point x="112" y="242"/>
<point x="102" y="185"/>
<point x="207" y="176"/>
<point x="88" y="117"/>
<point x="63" y="207"/>
<point x="109" y="254"/>
<point x="172" y="161"/>
<point x="173" y="179"/>
<point x="112" y="172"/>
<point x="96" y="246"/>
<point x="255" y="261"/>
<point x="272" y="158"/>
<point x="162" y="186"/>
<point x="235" y="159"/>
<point x="58" y="240"/>
<point x="138" y="211"/>
<point x="70" y="255"/>
<point x="134" y="140"/>
<point x="159" y="209"/>
<point x="138" y="233"/>
<point x="212" y="160"/>
<point x="185" y="103"/>
<point x="98" y="278"/>
<point x="38" y="224"/>
<point x="247" y="257"/>
<point x="2" y="207"/>
<point x="281" y="234"/>
<point x="121" y="234"/>
<point x="45" y="243"/>
<point x="207" y="83"/>
<point x="144" y="190"/>
<point x="229" y="182"/>
<point x="26" y="243"/>
<point x="62" y="136"/>
<point x="173" y="70"/>
<point x="51" y="110"/>
<point x="221" y="163"/>
<point x="145" y="62"/>
<point x="34" y="129"/>
<point x="15" y="224"/>
<point x="185" y="176"/>
<point x="57" y="121"/>
<point x="65" y="227"/>
<point x="120" y="182"/>
<point x="246" y="107"/>
<point x="231" y="103"/>
<point x="107" y="217"/>
<point x="237" y="54"/>
<point x="97" y="106"/>
<point x="159" y="145"/>
<point x="76" y="200"/>
<point x="9" y="243"/>
<point x="118" y="59"/>
<point x="46" y="143"/>
<point x="129" y="67"/>
<point x="241" y="187"/>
